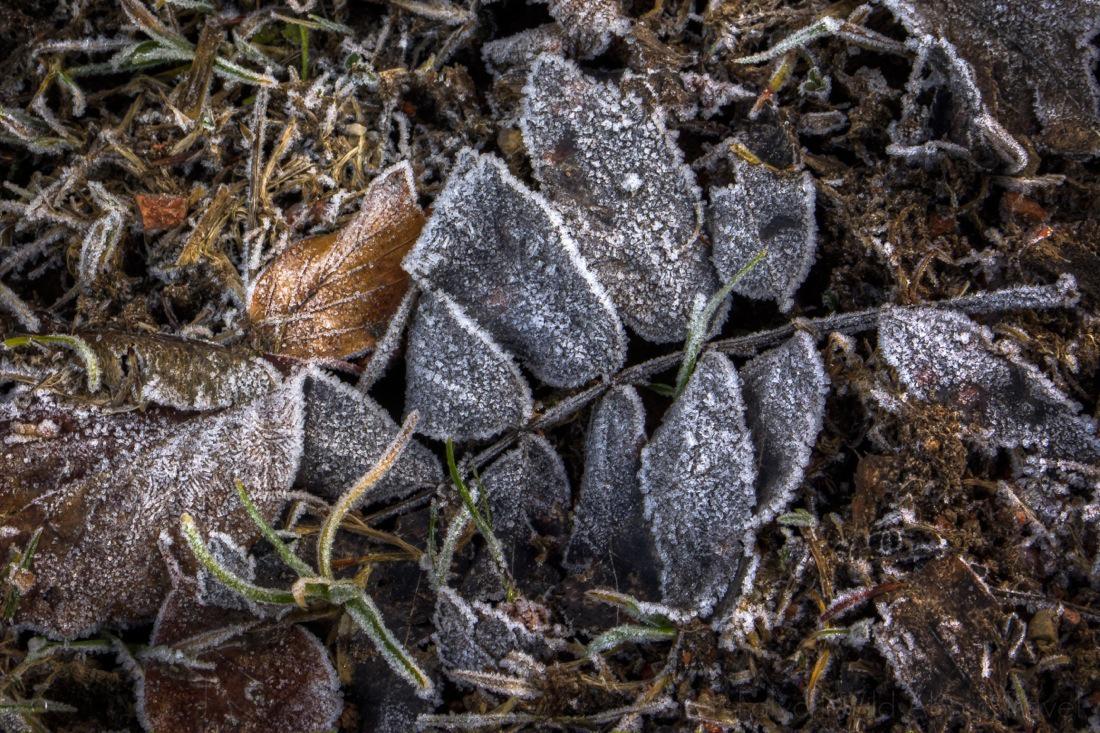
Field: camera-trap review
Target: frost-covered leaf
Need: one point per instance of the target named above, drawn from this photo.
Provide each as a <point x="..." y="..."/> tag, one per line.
<point x="498" y="250"/>
<point x="698" y="474"/>
<point x="608" y="524"/>
<point x="184" y="374"/>
<point x="213" y="670"/>
<point x="462" y="383"/>
<point x="477" y="636"/>
<point x="942" y="639"/>
<point x="1032" y="64"/>
<point x="591" y="24"/>
<point x="103" y="486"/>
<point x="765" y="209"/>
<point x="528" y="483"/>
<point x="609" y="165"/>
<point x="346" y="432"/>
<point x="331" y="296"/>
<point x="785" y="391"/>
<point x="944" y="357"/>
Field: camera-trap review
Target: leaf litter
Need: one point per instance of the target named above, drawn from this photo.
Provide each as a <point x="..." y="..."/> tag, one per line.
<point x="211" y="238"/>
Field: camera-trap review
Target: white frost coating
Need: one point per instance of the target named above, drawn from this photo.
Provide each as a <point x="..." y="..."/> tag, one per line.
<point x="698" y="474"/>
<point x="463" y="384"/>
<point x="591" y="24"/>
<point x="526" y="482"/>
<point x="765" y="209"/>
<point x="944" y="357"/>
<point x="586" y="138"/>
<point x="785" y="391"/>
<point x="522" y="48"/>
<point x="131" y="478"/>
<point x="477" y="636"/>
<point x="609" y="516"/>
<point x="499" y="251"/>
<point x="346" y="432"/>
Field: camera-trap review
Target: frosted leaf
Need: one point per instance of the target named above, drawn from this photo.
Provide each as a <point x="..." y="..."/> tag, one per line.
<point x="942" y="639"/>
<point x="698" y="474"/>
<point x="1031" y="63"/>
<point x="477" y="636"/>
<point x="104" y="485"/>
<point x="522" y="48"/>
<point x="345" y="433"/>
<point x="526" y="483"/>
<point x="206" y="674"/>
<point x="591" y="24"/>
<point x="463" y="384"/>
<point x="184" y="374"/>
<point x="765" y="209"/>
<point x="498" y="250"/>
<point x="610" y="166"/>
<point x="785" y="391"/>
<point x="944" y="357"/>
<point x="608" y="522"/>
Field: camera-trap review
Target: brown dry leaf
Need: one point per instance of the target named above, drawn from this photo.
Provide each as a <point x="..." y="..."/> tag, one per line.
<point x="237" y="677"/>
<point x="103" y="485"/>
<point x="331" y="296"/>
<point x="161" y="211"/>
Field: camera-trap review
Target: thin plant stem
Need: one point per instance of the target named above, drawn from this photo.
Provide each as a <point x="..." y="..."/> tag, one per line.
<point x="226" y="577"/>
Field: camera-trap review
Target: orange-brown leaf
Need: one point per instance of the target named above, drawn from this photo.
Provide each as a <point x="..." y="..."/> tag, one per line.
<point x="161" y="211"/>
<point x="331" y="296"/>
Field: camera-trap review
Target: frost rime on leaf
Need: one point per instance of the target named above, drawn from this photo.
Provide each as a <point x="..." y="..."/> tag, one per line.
<point x="785" y="391"/>
<point x="104" y="486"/>
<point x="608" y="521"/>
<point x="463" y="384"/>
<point x="944" y="357"/>
<point x="608" y="163"/>
<point x="590" y="23"/>
<point x="765" y="209"/>
<point x="476" y="636"/>
<point x="526" y="483"/>
<point x="345" y="433"/>
<point x="698" y="474"/>
<point x="498" y="250"/>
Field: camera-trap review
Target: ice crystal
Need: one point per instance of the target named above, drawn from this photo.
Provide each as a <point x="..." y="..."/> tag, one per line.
<point x="698" y="473"/>
<point x="104" y="486"/>
<point x="608" y="522"/>
<point x="765" y="209"/>
<point x="784" y="391"/>
<point x="346" y="432"/>
<point x="499" y="251"/>
<point x="525" y="484"/>
<point x="612" y="169"/>
<point x="463" y="384"/>
<point x="214" y="672"/>
<point x="477" y="636"/>
<point x="1046" y="45"/>
<point x="944" y="357"/>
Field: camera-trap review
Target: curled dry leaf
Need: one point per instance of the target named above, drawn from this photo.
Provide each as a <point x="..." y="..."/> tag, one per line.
<point x="216" y="671"/>
<point x="332" y="296"/>
<point x="103" y="485"/>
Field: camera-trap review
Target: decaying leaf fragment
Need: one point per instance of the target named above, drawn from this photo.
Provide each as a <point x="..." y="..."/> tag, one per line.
<point x="608" y="525"/>
<point x="765" y="209"/>
<point x="942" y="638"/>
<point x="217" y="670"/>
<point x="345" y="433"/>
<point x="103" y="486"/>
<point x="498" y="250"/>
<point x="698" y="473"/>
<point x="944" y="357"/>
<point x="1031" y="64"/>
<point x="331" y="296"/>
<point x="462" y="383"/>
<point x="785" y="391"/>
<point x="161" y="211"/>
<point x="609" y="165"/>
